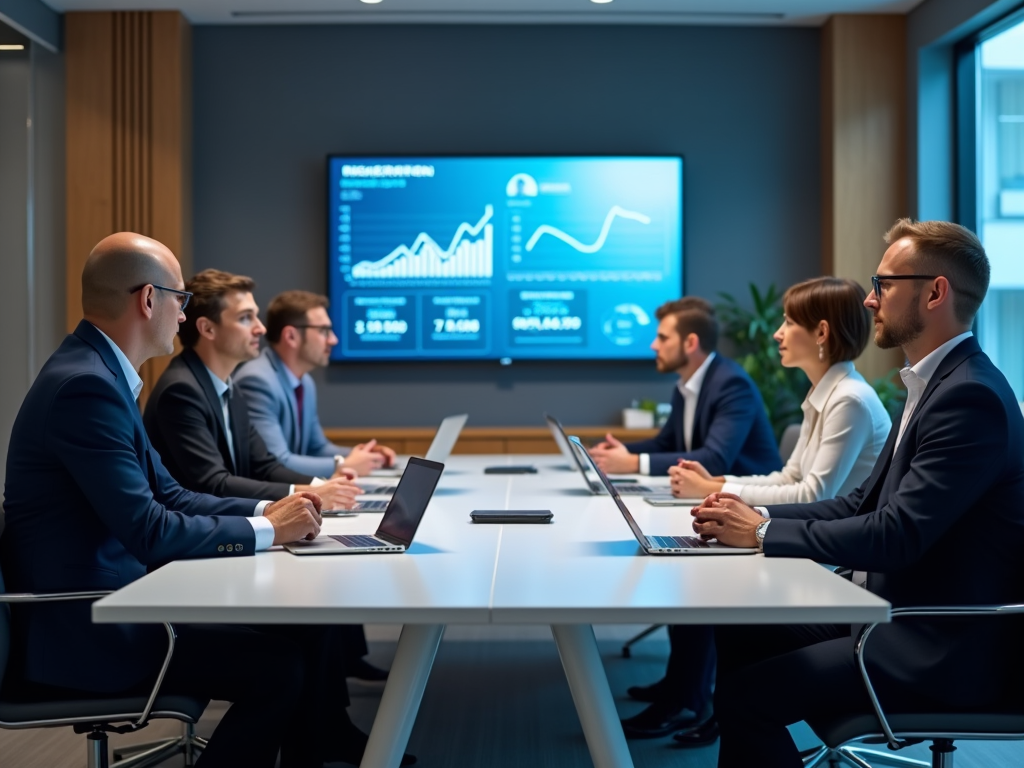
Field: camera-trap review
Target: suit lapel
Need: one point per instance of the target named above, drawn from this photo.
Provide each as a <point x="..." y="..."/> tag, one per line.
<point x="697" y="438"/>
<point x="202" y="377"/>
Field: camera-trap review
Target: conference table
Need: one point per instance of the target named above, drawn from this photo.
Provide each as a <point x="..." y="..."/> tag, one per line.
<point x="583" y="568"/>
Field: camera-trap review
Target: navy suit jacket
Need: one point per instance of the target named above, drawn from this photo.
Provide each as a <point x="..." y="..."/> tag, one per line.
<point x="185" y="421"/>
<point x="90" y="507"/>
<point x="938" y="522"/>
<point x="731" y="433"/>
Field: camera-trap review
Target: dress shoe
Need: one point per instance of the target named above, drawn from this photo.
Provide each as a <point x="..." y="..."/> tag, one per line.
<point x="349" y="748"/>
<point x="365" y="672"/>
<point x="649" y="693"/>
<point x="659" y="720"/>
<point x="699" y="735"/>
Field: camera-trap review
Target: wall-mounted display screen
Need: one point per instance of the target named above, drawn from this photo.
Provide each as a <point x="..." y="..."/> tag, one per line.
<point x="456" y="258"/>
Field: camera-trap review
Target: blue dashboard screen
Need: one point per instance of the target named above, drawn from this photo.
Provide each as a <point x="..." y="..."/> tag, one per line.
<point x="460" y="258"/>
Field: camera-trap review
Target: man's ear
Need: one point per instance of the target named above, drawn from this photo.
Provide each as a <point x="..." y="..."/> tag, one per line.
<point x="146" y="301"/>
<point x="206" y="328"/>
<point x="691" y="344"/>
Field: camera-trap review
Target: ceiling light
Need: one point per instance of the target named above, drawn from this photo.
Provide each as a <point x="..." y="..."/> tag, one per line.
<point x="370" y="2"/>
<point x="12" y="47"/>
<point x="601" y="1"/>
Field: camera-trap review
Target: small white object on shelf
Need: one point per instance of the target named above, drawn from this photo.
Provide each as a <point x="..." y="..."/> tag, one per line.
<point x="637" y="418"/>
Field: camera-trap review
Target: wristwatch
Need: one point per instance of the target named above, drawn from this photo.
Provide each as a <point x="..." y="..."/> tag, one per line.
<point x="759" y="534"/>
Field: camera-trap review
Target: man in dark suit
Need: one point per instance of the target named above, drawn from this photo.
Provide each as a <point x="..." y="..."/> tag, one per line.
<point x="90" y="507"/>
<point x="199" y="423"/>
<point x="718" y="419"/>
<point x="940" y="521"/>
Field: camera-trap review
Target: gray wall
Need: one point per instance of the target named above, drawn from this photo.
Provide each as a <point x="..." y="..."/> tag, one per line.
<point x="31" y="222"/>
<point x="740" y="104"/>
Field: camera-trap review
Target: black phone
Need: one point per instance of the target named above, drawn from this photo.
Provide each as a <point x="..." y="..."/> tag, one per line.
<point x="511" y="515"/>
<point x="514" y="469"/>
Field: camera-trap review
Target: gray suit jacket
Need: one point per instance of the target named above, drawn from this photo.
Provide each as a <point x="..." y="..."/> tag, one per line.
<point x="274" y="413"/>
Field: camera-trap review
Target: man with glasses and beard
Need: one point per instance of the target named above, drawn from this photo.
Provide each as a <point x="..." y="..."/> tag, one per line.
<point x="939" y="521"/>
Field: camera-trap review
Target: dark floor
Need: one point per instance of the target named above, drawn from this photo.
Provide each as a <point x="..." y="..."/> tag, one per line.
<point x="496" y="704"/>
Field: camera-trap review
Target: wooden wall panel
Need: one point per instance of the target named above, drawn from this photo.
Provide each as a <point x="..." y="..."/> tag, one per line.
<point x="864" y="168"/>
<point x="129" y="125"/>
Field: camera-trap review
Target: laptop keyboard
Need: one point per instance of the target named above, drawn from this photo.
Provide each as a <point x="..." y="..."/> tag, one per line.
<point x="678" y="542"/>
<point x="371" y="506"/>
<point x="378" y="489"/>
<point x="360" y="541"/>
<point x="624" y="489"/>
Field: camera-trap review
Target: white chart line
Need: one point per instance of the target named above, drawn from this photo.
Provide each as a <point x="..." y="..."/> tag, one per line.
<point x="616" y="211"/>
<point x="424" y="239"/>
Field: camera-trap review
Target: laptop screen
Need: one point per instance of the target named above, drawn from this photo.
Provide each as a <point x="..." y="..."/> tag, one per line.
<point x="560" y="440"/>
<point x="595" y="470"/>
<point x="446" y="437"/>
<point x="407" y="506"/>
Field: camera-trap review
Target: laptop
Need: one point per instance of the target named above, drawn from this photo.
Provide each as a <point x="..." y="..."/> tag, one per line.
<point x="400" y="521"/>
<point x="440" y="449"/>
<point x="626" y="488"/>
<point x="659" y="545"/>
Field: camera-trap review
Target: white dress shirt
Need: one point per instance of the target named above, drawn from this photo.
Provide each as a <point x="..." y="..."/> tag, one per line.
<point x="262" y="527"/>
<point x="916" y="379"/>
<point x="690" y="390"/>
<point x="844" y="429"/>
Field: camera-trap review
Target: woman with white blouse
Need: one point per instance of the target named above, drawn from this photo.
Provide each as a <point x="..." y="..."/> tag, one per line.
<point x="845" y="426"/>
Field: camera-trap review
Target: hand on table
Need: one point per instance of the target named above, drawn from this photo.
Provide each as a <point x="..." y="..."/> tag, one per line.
<point x="614" y="458"/>
<point x="724" y="517"/>
<point x="295" y="517"/>
<point x="364" y="458"/>
<point x="336" y="493"/>
<point x="690" y="479"/>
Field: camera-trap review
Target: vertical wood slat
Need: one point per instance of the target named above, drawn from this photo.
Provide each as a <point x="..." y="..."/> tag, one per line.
<point x="128" y="138"/>
<point x="864" y="165"/>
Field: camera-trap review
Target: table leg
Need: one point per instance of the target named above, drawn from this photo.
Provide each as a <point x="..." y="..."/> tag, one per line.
<point x="581" y="661"/>
<point x="402" y="695"/>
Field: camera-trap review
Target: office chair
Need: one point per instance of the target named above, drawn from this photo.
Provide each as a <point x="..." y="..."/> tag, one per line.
<point x="1001" y="722"/>
<point x="787" y="443"/>
<point x="101" y="715"/>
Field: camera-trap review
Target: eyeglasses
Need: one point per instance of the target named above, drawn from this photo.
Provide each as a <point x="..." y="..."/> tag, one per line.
<point x="877" y="279"/>
<point x="182" y="297"/>
<point x="323" y="330"/>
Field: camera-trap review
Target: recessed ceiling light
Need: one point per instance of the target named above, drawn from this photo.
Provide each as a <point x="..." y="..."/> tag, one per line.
<point x="602" y="2"/>
<point x="12" y="47"/>
<point x="370" y="2"/>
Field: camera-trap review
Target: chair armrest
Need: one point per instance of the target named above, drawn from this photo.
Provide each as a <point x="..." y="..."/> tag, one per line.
<point x="914" y="612"/>
<point x="21" y="598"/>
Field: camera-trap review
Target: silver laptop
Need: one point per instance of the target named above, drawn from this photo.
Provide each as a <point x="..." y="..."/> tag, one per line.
<point x="627" y="488"/>
<point x="440" y="449"/>
<point x="658" y="545"/>
<point x="396" y="529"/>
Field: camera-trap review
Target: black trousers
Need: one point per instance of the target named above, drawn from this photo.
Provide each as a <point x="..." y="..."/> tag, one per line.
<point x="353" y="643"/>
<point x="280" y="681"/>
<point x="691" y="667"/>
<point x="772" y="676"/>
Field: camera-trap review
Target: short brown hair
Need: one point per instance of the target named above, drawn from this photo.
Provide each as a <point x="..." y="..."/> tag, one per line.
<point x="208" y="289"/>
<point x="952" y="251"/>
<point x="839" y="302"/>
<point x="290" y="308"/>
<point x="693" y="315"/>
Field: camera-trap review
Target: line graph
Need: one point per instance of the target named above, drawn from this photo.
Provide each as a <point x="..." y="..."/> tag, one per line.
<point x="615" y="212"/>
<point x="470" y="254"/>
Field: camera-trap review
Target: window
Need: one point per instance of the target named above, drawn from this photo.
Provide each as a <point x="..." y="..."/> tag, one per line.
<point x="1000" y="197"/>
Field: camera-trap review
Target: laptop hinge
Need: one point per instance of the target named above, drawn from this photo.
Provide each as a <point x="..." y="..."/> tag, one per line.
<point x="391" y="539"/>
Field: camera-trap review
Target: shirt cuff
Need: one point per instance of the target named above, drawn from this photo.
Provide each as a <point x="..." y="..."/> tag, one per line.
<point x="764" y="512"/>
<point x="261" y="506"/>
<point x="733" y="488"/>
<point x="264" y="530"/>
<point x="316" y="481"/>
<point x="645" y="463"/>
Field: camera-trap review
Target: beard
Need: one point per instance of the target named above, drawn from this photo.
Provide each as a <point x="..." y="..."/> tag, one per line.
<point x="900" y="330"/>
<point x="671" y="366"/>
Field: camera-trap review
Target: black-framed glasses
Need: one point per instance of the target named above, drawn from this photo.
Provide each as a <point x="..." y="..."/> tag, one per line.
<point x="877" y="279"/>
<point x="323" y="330"/>
<point x="182" y="296"/>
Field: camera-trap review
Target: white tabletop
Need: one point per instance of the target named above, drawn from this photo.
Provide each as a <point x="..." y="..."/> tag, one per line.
<point x="584" y="567"/>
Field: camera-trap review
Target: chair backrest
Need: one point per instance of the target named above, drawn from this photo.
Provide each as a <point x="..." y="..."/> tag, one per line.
<point x="788" y="441"/>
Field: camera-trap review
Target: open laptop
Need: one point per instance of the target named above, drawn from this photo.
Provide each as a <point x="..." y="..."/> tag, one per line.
<point x="658" y="545"/>
<point x="627" y="488"/>
<point x="398" y="526"/>
<point x="440" y="449"/>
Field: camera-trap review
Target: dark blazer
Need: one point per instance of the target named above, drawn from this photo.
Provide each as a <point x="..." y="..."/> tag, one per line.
<point x="940" y="522"/>
<point x="90" y="507"/>
<point x="185" y="421"/>
<point x="731" y="433"/>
